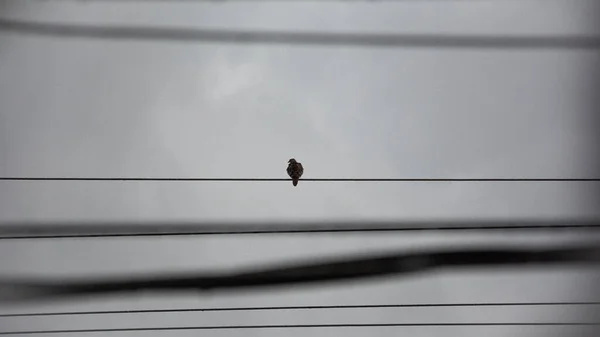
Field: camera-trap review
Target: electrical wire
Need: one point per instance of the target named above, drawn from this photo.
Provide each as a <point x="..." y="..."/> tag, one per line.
<point x="256" y="1"/>
<point x="296" y="326"/>
<point x="57" y="230"/>
<point x="124" y="179"/>
<point x="304" y="307"/>
<point x="340" y="269"/>
<point x="379" y="40"/>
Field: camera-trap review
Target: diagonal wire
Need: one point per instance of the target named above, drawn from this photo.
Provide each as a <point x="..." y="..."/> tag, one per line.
<point x="58" y="230"/>
<point x="379" y="40"/>
<point x="349" y="268"/>
<point x="297" y="326"/>
<point x="303" y="307"/>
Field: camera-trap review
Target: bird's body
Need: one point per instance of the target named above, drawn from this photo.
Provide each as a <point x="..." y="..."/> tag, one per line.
<point x="294" y="170"/>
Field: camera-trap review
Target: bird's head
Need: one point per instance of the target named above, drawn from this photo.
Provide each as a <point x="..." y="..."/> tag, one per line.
<point x="292" y="161"/>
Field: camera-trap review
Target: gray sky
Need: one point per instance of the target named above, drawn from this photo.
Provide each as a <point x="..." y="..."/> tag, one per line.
<point x="149" y="109"/>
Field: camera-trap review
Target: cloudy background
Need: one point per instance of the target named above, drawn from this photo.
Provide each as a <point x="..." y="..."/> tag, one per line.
<point x="99" y="108"/>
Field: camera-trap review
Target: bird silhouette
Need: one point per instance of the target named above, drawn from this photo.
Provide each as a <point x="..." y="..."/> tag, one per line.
<point x="294" y="170"/>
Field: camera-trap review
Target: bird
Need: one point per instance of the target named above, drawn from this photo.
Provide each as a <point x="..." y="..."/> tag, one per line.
<point x="294" y="170"/>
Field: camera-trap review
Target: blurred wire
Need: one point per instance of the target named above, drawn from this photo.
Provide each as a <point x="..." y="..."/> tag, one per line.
<point x="340" y="269"/>
<point x="56" y="230"/>
<point x="304" y="307"/>
<point x="210" y="35"/>
<point x="257" y="1"/>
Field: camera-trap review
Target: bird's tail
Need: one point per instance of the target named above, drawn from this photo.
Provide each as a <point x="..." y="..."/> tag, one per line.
<point x="295" y="182"/>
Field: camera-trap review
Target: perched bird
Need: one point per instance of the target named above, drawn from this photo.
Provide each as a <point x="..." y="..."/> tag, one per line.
<point x="294" y="170"/>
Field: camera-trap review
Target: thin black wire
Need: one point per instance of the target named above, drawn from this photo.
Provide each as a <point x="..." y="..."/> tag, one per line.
<point x="257" y="1"/>
<point x="296" y="326"/>
<point x="380" y="40"/>
<point x="303" y="179"/>
<point x="57" y="230"/>
<point x="357" y="267"/>
<point x="304" y="307"/>
<point x="292" y="1"/>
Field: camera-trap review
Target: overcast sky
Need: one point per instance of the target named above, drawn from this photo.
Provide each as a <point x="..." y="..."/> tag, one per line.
<point x="99" y="108"/>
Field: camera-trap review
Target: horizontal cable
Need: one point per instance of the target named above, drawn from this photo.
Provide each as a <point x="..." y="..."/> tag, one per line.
<point x="347" y="268"/>
<point x="59" y="230"/>
<point x="288" y="1"/>
<point x="297" y="326"/>
<point x="304" y="307"/>
<point x="327" y="39"/>
<point x="303" y="179"/>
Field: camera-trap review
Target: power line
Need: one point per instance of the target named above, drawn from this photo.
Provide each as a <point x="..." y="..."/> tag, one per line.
<point x="305" y="307"/>
<point x="288" y="1"/>
<point x="348" y="268"/>
<point x="57" y="230"/>
<point x="256" y="1"/>
<point x="296" y="326"/>
<point x="380" y="40"/>
<point x="303" y="179"/>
